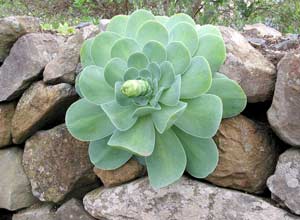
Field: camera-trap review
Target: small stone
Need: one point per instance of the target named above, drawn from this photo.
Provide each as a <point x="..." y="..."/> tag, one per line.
<point x="6" y="113"/>
<point x="129" y="171"/>
<point x="247" y="155"/>
<point x="55" y="162"/>
<point x="184" y="200"/>
<point x="26" y="60"/>
<point x="284" y="114"/>
<point x="39" y="106"/>
<point x="285" y="183"/>
<point x="103" y="24"/>
<point x="38" y="211"/>
<point x="14" y="185"/>
<point x="11" y="28"/>
<point x="260" y="30"/>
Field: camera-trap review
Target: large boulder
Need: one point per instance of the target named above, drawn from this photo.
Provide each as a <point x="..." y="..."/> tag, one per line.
<point x="284" y="114"/>
<point x="247" y="155"/>
<point x="39" y="106"/>
<point x="14" y="184"/>
<point x="184" y="200"/>
<point x="11" y="28"/>
<point x="248" y="67"/>
<point x="55" y="162"/>
<point x="285" y="183"/>
<point x="37" y="212"/>
<point x="260" y="30"/>
<point x="6" y="113"/>
<point x="26" y="60"/>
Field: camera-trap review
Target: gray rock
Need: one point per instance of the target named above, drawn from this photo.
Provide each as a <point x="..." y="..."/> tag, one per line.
<point x="39" y="106"/>
<point x="103" y="24"/>
<point x="14" y="185"/>
<point x="185" y="200"/>
<point x="36" y="212"/>
<point x="55" y="162"/>
<point x="11" y="28"/>
<point x="248" y="67"/>
<point x="285" y="183"/>
<point x="284" y="114"/>
<point x="26" y="60"/>
<point x="6" y="113"/>
<point x="261" y="30"/>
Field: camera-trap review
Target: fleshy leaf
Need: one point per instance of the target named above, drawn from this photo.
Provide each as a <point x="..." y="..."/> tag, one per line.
<point x="177" y="18"/>
<point x="124" y="47"/>
<point x="220" y="75"/>
<point x="154" y="69"/>
<point x="202" y="116"/>
<point x="131" y="73"/>
<point x="168" y="160"/>
<point x="106" y="157"/>
<point x="139" y="139"/>
<point x="167" y="74"/>
<point x="233" y="97"/>
<point x="101" y="47"/>
<point x="145" y="110"/>
<point x="85" y="53"/>
<point x="155" y="51"/>
<point x="179" y="56"/>
<point x="118" y="24"/>
<point x="154" y="100"/>
<point x="114" y="71"/>
<point x="122" y="99"/>
<point x="88" y="122"/>
<point x="120" y="116"/>
<point x="197" y="79"/>
<point x="208" y="29"/>
<point x="171" y="96"/>
<point x="93" y="86"/>
<point x="187" y="34"/>
<point x="138" y="60"/>
<point x="162" y="19"/>
<point x="202" y="154"/>
<point x="77" y="86"/>
<point x="167" y="116"/>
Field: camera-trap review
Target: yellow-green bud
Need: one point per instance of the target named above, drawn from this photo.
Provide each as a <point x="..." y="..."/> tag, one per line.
<point x="134" y="88"/>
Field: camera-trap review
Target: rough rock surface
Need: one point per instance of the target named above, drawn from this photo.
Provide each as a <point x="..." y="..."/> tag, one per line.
<point x="285" y="183"/>
<point x="185" y="200"/>
<point x="14" y="185"/>
<point x="54" y="162"/>
<point x="6" y="113"/>
<point x="247" y="155"/>
<point x="26" y="60"/>
<point x="260" y="30"/>
<point x="248" y="67"/>
<point x="129" y="171"/>
<point x="40" y="105"/>
<point x="36" y="212"/>
<point x="11" y="28"/>
<point x="284" y="114"/>
<point x="72" y="210"/>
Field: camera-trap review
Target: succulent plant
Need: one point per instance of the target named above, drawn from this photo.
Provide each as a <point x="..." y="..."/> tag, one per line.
<point x="150" y="90"/>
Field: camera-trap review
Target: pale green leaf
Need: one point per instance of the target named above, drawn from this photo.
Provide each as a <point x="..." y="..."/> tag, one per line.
<point x="118" y="24"/>
<point x="114" y="71"/>
<point x="155" y="51"/>
<point x="177" y="18"/>
<point x="124" y="47"/>
<point x="208" y="29"/>
<point x="138" y="60"/>
<point x="167" y="74"/>
<point x="171" y="96"/>
<point x="85" y="53"/>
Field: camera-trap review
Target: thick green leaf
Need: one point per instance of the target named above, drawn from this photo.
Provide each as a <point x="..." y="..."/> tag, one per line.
<point x="208" y="29"/>
<point x="171" y="96"/>
<point x="168" y="160"/>
<point x="233" y="97"/>
<point x="122" y="99"/>
<point x="167" y="74"/>
<point x="145" y="110"/>
<point x="220" y="75"/>
<point x="155" y="51"/>
<point x="202" y="154"/>
<point x="93" y="86"/>
<point x="152" y="31"/>
<point x="141" y="100"/>
<point x="136" y="20"/>
<point x="197" y="79"/>
<point x="140" y="159"/>
<point x="158" y="93"/>
<point x="131" y="73"/>
<point x="138" y="60"/>
<point x="88" y="122"/>
<point x="179" y="56"/>
<point x="114" y="71"/>
<point x="202" y="116"/>
<point x="120" y="116"/>
<point x="139" y="139"/>
<point x="101" y="47"/>
<point x="213" y="49"/>
<point x="106" y="157"/>
<point x="118" y="24"/>
<point x="154" y="69"/>
<point x="85" y="53"/>
<point x="177" y="18"/>
<point x="162" y="19"/>
<point x="77" y="86"/>
<point x="167" y="116"/>
<point x="187" y="34"/>
<point x="124" y="47"/>
<point x="144" y="73"/>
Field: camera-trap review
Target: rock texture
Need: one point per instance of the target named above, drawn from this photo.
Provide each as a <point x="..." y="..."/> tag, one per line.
<point x="129" y="171"/>
<point x="36" y="212"/>
<point x="260" y="30"/>
<point x="247" y="155"/>
<point x="11" y="28"/>
<point x="14" y="185"/>
<point x="39" y="106"/>
<point x="54" y="162"/>
<point x="6" y="113"/>
<point x="26" y="60"/>
<point x="284" y="114"/>
<point x="185" y="200"/>
<point x="248" y="67"/>
<point x="285" y="183"/>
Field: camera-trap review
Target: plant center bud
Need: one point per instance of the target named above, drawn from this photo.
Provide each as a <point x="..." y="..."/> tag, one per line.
<point x="134" y="88"/>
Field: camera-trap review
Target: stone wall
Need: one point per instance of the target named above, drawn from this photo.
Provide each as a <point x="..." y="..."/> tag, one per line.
<point x="46" y="174"/>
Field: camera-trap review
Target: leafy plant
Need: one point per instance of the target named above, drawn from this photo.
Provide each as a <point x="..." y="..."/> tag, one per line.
<point x="150" y="90"/>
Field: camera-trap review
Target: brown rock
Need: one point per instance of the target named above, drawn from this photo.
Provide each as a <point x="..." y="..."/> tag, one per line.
<point x="284" y="114"/>
<point x="261" y="30"/>
<point x="6" y="113"/>
<point x="39" y="211"/>
<point x="247" y="155"/>
<point x="39" y="106"/>
<point x="129" y="171"/>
